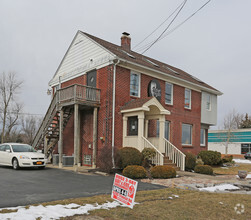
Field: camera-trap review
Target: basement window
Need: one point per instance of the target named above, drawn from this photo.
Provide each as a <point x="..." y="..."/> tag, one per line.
<point x="87" y="159"/>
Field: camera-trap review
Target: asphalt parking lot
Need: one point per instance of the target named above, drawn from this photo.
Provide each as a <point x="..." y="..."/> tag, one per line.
<point x="32" y="186"/>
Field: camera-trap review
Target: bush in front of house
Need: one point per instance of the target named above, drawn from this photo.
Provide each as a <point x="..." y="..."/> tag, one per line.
<point x="204" y="169"/>
<point x="105" y="159"/>
<point x="129" y="156"/>
<point x="148" y="154"/>
<point x="163" y="172"/>
<point x="210" y="157"/>
<point x="227" y="159"/>
<point x="134" y="172"/>
<point x="190" y="161"/>
<point x="199" y="161"/>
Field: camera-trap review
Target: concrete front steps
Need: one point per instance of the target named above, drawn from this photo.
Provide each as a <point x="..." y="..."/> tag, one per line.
<point x="170" y="163"/>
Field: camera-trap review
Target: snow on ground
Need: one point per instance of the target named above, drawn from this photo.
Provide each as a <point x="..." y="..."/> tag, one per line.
<point x="54" y="212"/>
<point x="221" y="187"/>
<point x="242" y="161"/>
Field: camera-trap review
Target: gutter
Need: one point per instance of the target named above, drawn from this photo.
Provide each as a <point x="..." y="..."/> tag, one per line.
<point x="113" y="108"/>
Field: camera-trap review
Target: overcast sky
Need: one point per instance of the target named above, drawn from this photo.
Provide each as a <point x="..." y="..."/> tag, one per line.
<point x="214" y="45"/>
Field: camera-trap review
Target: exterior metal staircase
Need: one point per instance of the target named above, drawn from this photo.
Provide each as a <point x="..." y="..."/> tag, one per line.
<point x="64" y="99"/>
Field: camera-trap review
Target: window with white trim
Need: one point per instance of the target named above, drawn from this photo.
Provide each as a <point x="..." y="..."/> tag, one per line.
<point x="187" y="98"/>
<point x="208" y="102"/>
<point x="202" y="137"/>
<point x="133" y="126"/>
<point x="135" y="84"/>
<point x="187" y="134"/>
<point x="167" y="129"/>
<point x="169" y="93"/>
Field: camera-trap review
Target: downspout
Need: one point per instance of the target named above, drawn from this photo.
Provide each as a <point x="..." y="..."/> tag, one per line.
<point x="113" y="108"/>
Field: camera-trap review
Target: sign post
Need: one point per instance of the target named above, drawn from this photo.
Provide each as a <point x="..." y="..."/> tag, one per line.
<point x="124" y="190"/>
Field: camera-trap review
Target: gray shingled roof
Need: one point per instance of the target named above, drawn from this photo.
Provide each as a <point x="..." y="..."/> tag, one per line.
<point x="144" y="61"/>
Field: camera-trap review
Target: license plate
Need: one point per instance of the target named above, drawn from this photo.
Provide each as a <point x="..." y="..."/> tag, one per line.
<point x="39" y="163"/>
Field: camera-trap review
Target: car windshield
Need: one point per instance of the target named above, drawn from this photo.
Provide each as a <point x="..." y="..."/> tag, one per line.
<point x="23" y="148"/>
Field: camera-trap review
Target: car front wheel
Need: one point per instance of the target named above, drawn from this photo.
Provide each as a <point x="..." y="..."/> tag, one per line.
<point x="15" y="164"/>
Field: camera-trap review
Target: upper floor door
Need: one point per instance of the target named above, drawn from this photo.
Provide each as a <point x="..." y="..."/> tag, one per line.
<point x="92" y="78"/>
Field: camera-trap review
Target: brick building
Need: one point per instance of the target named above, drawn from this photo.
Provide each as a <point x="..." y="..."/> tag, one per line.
<point x="105" y="95"/>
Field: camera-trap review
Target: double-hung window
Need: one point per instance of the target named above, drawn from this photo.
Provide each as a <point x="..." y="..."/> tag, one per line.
<point x="187" y="98"/>
<point x="135" y="84"/>
<point x="187" y="134"/>
<point x="167" y="129"/>
<point x="202" y="137"/>
<point x="169" y="93"/>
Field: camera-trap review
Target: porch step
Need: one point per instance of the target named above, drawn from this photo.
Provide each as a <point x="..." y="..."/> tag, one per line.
<point x="170" y="163"/>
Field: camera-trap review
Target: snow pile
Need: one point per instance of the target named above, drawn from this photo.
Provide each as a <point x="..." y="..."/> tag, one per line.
<point x="222" y="187"/>
<point x="54" y="212"/>
<point x="241" y="161"/>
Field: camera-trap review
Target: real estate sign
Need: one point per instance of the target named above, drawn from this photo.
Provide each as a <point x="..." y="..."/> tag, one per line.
<point x="124" y="190"/>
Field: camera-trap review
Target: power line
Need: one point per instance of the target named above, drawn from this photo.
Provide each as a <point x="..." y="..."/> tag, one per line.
<point x="166" y="27"/>
<point x="159" y="25"/>
<point x="176" y="27"/>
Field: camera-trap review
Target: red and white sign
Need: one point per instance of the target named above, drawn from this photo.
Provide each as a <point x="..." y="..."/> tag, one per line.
<point x="124" y="190"/>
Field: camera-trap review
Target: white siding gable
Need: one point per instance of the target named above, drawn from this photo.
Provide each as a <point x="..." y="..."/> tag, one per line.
<point x="208" y="116"/>
<point x="83" y="55"/>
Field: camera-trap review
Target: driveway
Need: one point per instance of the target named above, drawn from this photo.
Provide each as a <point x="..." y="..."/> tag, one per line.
<point x="31" y="186"/>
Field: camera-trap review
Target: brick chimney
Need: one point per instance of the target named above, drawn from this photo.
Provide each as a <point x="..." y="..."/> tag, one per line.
<point x="126" y="41"/>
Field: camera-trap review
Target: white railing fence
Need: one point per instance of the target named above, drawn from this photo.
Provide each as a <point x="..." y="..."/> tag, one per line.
<point x="175" y="154"/>
<point x="158" y="159"/>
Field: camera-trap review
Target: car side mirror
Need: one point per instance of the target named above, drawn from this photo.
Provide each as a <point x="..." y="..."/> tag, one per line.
<point x="8" y="151"/>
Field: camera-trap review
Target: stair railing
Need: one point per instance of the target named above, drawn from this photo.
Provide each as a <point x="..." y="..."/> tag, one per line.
<point x="71" y="93"/>
<point x="158" y="159"/>
<point x="46" y="121"/>
<point x="175" y="154"/>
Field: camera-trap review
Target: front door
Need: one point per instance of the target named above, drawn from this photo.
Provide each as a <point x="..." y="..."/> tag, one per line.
<point x="92" y="78"/>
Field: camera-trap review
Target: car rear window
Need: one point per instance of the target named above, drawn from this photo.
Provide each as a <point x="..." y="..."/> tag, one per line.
<point x="23" y="148"/>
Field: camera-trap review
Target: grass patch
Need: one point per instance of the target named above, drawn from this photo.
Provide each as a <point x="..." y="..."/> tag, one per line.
<point x="156" y="204"/>
<point x="232" y="170"/>
<point x="190" y="205"/>
<point x="8" y="211"/>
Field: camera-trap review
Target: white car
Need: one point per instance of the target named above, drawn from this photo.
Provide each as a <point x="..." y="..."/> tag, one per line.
<point x="21" y="155"/>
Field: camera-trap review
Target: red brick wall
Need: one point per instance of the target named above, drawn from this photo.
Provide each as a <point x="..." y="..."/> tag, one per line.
<point x="104" y="83"/>
<point x="81" y="80"/>
<point x="86" y="133"/>
<point x="68" y="134"/>
<point x="178" y="115"/>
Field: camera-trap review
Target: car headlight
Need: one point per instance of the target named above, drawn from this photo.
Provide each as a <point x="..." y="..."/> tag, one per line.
<point x="24" y="157"/>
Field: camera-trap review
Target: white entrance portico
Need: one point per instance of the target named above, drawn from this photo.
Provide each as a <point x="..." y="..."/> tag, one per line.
<point x="136" y="115"/>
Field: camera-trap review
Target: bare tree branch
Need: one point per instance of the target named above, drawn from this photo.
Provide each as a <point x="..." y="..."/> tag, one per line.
<point x="9" y="88"/>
